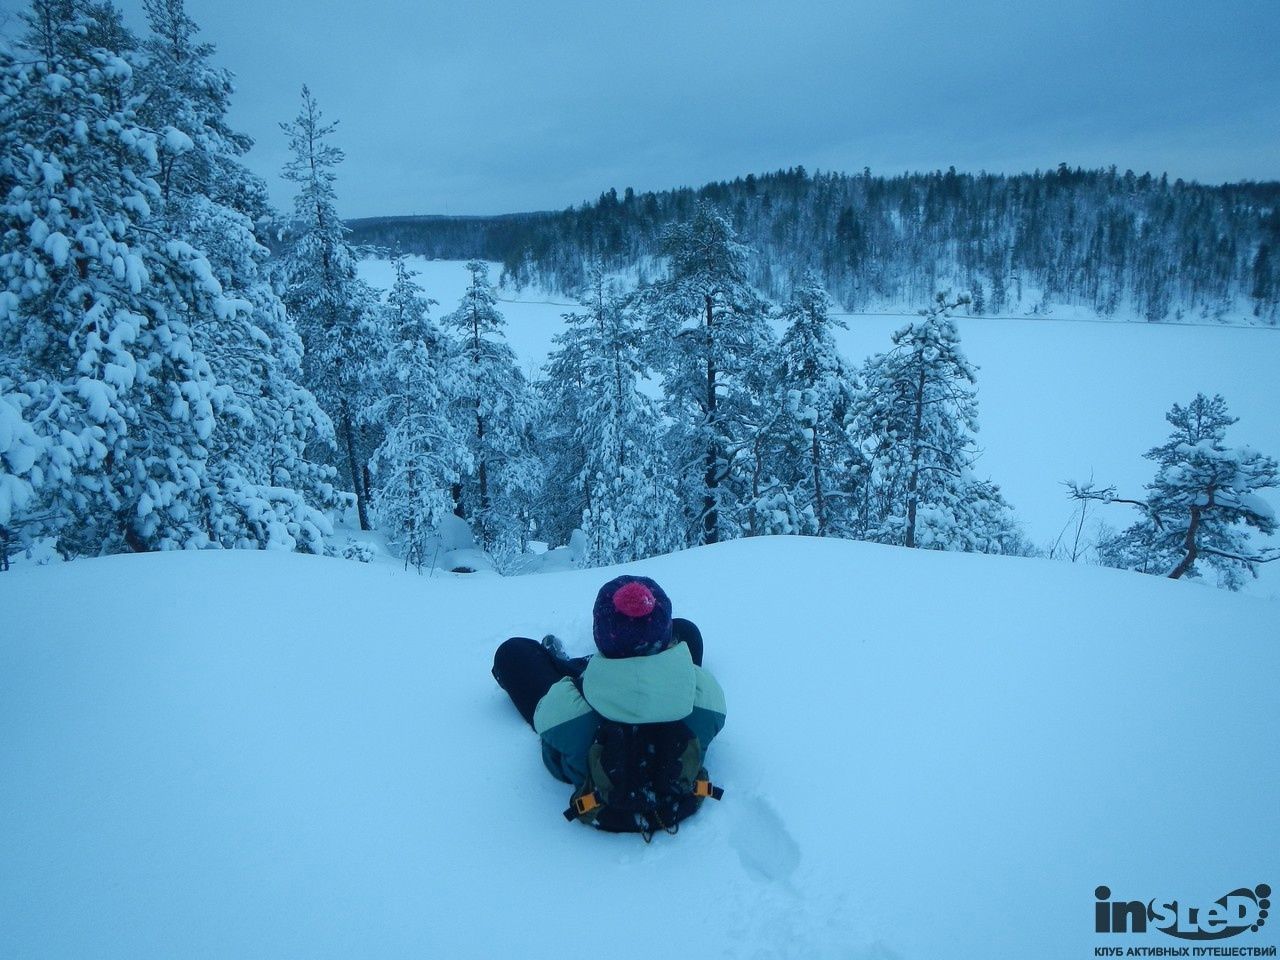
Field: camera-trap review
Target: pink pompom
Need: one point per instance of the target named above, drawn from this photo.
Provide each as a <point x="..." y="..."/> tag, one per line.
<point x="634" y="600"/>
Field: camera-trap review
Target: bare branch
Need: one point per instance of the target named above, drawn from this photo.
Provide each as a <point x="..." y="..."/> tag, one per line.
<point x="1243" y="558"/>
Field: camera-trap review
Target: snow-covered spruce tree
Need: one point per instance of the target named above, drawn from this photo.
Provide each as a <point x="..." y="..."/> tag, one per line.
<point x="97" y="353"/>
<point x="916" y="419"/>
<point x="819" y="462"/>
<point x="707" y="329"/>
<point x="334" y="309"/>
<point x="497" y="496"/>
<point x="1200" y="507"/>
<point x="275" y="493"/>
<point x="424" y="451"/>
<point x="622" y="489"/>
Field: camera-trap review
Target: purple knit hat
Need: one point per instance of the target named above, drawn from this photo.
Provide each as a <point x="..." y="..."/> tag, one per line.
<point x="632" y="618"/>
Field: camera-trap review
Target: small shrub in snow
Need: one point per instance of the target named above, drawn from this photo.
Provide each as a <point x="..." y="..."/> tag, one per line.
<point x="359" y="551"/>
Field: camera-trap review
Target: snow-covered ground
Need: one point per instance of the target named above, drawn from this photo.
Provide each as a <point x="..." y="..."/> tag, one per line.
<point x="257" y="755"/>
<point x="1060" y="399"/>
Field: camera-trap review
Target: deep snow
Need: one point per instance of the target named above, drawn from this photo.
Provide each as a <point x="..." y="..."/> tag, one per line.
<point x="236" y="754"/>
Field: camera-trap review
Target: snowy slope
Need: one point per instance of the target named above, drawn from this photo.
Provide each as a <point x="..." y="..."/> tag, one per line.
<point x="927" y="756"/>
<point x="1059" y="399"/>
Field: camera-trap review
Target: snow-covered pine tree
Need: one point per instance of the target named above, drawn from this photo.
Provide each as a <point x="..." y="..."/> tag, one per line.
<point x="819" y="462"/>
<point x="707" y="329"/>
<point x="258" y="460"/>
<point x="563" y="498"/>
<point x="424" y="451"/>
<point x="184" y="90"/>
<point x="916" y="419"/>
<point x="623" y="490"/>
<point x="96" y="315"/>
<point x="334" y="309"/>
<point x="23" y="455"/>
<point x="1201" y="505"/>
<point x="766" y="502"/>
<point x="497" y="497"/>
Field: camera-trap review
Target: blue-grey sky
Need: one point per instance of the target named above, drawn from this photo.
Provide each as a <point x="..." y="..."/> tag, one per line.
<point x="503" y="105"/>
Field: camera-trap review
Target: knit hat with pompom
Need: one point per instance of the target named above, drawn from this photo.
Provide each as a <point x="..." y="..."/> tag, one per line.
<point x="632" y="618"/>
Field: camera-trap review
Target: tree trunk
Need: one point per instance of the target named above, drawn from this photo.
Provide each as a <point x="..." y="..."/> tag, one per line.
<point x="353" y="467"/>
<point x="753" y="518"/>
<point x="482" y="472"/>
<point x="1189" y="544"/>
<point x="819" y="502"/>
<point x="710" y="516"/>
<point x="913" y="481"/>
<point x="482" y="469"/>
<point x="366" y="476"/>
<point x="411" y="490"/>
<point x="133" y="541"/>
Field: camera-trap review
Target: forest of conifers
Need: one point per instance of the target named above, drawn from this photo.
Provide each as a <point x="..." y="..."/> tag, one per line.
<point x="1117" y="243"/>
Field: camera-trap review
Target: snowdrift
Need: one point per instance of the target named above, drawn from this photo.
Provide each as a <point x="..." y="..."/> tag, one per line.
<point x="927" y="755"/>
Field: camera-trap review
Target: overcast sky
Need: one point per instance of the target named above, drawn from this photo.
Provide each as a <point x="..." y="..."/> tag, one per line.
<point x="490" y="107"/>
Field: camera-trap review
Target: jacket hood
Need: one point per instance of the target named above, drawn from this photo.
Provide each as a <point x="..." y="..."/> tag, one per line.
<point x="652" y="689"/>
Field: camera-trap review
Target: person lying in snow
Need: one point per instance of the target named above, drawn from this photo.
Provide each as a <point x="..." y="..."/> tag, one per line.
<point x="629" y="728"/>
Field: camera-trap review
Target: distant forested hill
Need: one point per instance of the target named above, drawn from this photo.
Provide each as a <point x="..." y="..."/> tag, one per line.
<point x="1117" y="243"/>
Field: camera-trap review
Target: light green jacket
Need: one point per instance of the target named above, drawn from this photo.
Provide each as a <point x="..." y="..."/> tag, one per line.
<point x="664" y="686"/>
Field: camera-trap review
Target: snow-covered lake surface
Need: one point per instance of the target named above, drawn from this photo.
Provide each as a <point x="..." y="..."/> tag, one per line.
<point x="1059" y="399"/>
<point x="261" y="755"/>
